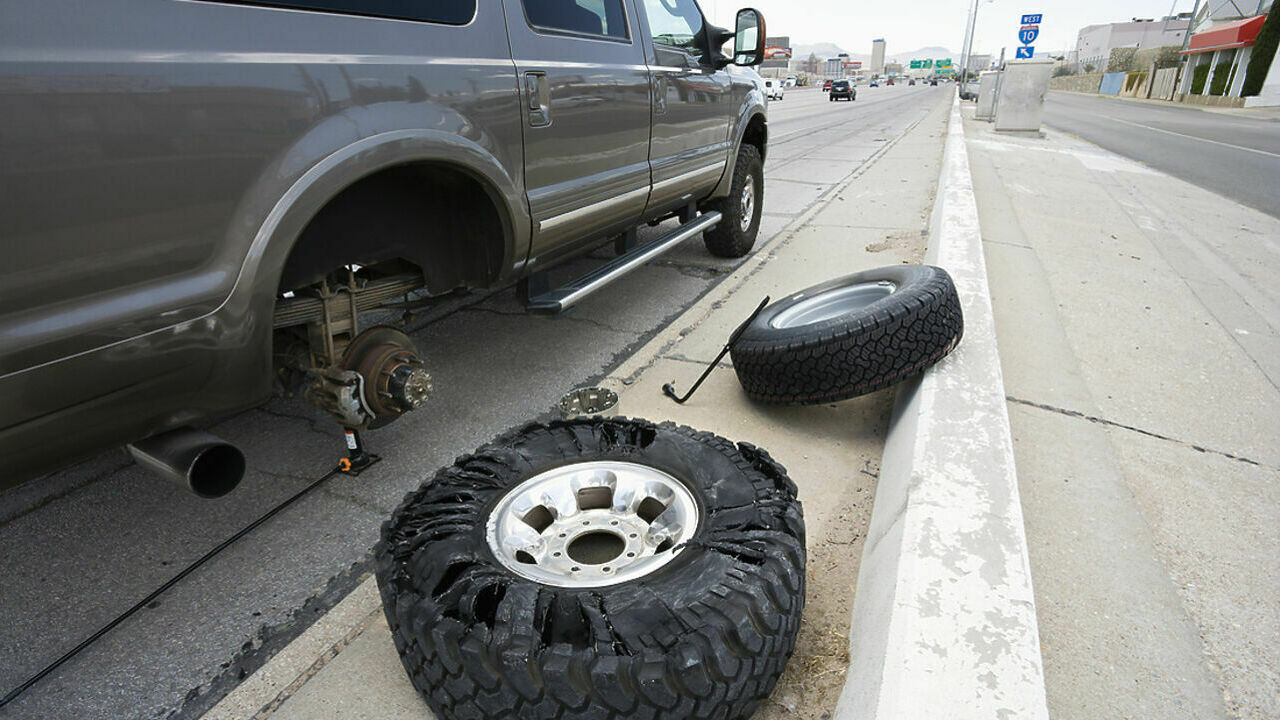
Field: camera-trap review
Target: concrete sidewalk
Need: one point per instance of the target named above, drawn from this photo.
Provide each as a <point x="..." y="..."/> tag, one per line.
<point x="1139" y="325"/>
<point x="346" y="667"/>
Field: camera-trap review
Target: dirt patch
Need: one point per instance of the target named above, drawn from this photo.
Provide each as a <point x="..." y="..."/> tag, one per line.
<point x="903" y="240"/>
<point x="814" y="677"/>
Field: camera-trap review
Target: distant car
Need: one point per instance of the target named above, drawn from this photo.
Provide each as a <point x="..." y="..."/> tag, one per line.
<point x="933" y="83"/>
<point x="826" y="85"/>
<point x="889" y="82"/>
<point x="911" y="82"/>
<point x="773" y="88"/>
<point x="843" y="89"/>
<point x="874" y="83"/>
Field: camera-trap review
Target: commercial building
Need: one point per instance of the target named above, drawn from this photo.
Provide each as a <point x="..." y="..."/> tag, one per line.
<point x="1095" y="42"/>
<point x="877" y="57"/>
<point x="1218" y="57"/>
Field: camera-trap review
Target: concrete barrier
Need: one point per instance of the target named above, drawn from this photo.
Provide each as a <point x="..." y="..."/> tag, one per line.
<point x="944" y="620"/>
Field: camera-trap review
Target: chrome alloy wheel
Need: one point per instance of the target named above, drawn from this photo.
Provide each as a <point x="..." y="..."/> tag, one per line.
<point x="747" y="204"/>
<point x="592" y="523"/>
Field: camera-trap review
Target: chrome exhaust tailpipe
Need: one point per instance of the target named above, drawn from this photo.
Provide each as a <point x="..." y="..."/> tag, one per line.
<point x="202" y="463"/>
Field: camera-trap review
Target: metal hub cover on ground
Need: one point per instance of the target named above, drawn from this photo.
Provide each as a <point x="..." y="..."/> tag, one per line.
<point x="592" y="524"/>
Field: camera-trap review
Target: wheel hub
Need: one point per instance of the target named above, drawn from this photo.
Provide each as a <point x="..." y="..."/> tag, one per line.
<point x="832" y="304"/>
<point x="592" y="524"/>
<point x="748" y="204"/>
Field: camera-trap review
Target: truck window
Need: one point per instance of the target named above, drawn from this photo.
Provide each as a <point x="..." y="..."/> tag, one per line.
<point x="583" y="17"/>
<point x="449" y="12"/>
<point x="675" y="22"/>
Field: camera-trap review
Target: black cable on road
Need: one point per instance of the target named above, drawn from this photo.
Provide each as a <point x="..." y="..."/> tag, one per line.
<point x="13" y="694"/>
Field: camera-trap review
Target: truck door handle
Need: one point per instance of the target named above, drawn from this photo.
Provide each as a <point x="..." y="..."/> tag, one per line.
<point x="537" y="98"/>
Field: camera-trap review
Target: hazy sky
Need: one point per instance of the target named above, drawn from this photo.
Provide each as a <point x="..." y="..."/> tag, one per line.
<point x="906" y="26"/>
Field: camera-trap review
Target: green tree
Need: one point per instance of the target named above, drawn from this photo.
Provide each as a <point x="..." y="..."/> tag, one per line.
<point x="1089" y="68"/>
<point x="1263" y="52"/>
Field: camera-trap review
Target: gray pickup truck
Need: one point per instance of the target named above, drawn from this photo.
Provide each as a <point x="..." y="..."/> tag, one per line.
<point x="202" y="195"/>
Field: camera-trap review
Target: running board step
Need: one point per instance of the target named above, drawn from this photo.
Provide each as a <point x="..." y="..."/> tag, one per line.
<point x="566" y="296"/>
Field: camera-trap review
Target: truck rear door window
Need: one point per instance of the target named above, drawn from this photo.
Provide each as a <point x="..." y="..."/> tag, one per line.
<point x="581" y="17"/>
<point x="449" y="12"/>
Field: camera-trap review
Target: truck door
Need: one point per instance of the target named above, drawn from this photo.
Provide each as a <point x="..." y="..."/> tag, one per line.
<point x="692" y="108"/>
<point x="585" y="86"/>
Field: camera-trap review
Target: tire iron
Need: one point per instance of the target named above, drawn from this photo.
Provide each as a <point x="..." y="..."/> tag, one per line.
<point x="670" y="390"/>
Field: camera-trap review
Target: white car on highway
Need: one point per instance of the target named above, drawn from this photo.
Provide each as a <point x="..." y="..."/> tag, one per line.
<point x="773" y="88"/>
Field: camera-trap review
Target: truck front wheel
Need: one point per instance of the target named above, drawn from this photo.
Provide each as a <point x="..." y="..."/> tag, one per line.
<point x="740" y="211"/>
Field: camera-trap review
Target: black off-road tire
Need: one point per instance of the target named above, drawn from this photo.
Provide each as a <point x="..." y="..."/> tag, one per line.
<point x="865" y="349"/>
<point x="728" y="238"/>
<point x="705" y="636"/>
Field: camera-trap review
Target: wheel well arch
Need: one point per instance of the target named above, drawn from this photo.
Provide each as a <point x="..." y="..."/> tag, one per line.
<point x="757" y="133"/>
<point x="445" y="219"/>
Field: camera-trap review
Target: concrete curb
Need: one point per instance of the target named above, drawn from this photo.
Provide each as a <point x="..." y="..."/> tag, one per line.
<point x="276" y="681"/>
<point x="944" y="620"/>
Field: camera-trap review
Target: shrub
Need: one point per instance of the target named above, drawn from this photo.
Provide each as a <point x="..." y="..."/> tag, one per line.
<point x="1121" y="59"/>
<point x="1263" y="51"/>
<point x="1198" y="77"/>
<point x="1218" y="86"/>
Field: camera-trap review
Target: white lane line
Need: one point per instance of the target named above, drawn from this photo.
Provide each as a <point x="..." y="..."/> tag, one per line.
<point x="1193" y="137"/>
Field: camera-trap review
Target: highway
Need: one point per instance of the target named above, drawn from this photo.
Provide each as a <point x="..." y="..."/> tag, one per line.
<point x="1238" y="157"/>
<point x="81" y="546"/>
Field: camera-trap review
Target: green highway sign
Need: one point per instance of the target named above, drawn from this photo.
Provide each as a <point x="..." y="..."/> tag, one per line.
<point x="915" y="64"/>
<point x="946" y="63"/>
<point x="927" y="64"/>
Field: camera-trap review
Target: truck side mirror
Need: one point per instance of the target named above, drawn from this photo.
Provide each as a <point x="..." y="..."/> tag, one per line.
<point x="748" y="38"/>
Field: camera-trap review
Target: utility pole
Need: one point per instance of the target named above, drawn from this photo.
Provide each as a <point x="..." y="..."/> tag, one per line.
<point x="967" y="47"/>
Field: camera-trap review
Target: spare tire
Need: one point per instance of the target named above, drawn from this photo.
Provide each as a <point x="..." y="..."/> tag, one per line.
<point x="850" y="336"/>
<point x="597" y="569"/>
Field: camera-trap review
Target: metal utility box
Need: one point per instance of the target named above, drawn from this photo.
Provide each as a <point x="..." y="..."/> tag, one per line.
<point x="988" y="88"/>
<point x="1022" y="91"/>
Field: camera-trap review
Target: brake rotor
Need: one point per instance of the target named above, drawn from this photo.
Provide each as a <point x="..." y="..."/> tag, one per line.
<point x="395" y="381"/>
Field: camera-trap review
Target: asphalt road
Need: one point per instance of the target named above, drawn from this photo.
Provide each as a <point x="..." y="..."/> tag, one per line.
<point x="81" y="546"/>
<point x="1238" y="157"/>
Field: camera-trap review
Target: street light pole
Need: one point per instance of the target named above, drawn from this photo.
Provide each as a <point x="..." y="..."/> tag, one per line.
<point x="968" y="44"/>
